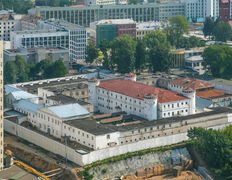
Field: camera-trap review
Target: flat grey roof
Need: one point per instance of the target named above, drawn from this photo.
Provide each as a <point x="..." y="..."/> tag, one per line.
<point x="91" y="126"/>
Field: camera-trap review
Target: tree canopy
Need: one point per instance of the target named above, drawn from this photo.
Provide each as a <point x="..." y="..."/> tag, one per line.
<point x="208" y="26"/>
<point x="123" y="53"/>
<point x="55" y="3"/>
<point x="17" y="5"/>
<point x="222" y="31"/>
<point x="218" y="58"/>
<point x="91" y="53"/>
<point x="215" y="146"/>
<point x="19" y="71"/>
<point x="133" y="1"/>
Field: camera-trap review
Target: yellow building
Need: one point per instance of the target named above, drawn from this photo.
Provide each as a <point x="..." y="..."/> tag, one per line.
<point x="178" y="58"/>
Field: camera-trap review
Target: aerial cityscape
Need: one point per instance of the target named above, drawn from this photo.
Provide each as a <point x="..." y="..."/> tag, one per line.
<point x="116" y="90"/>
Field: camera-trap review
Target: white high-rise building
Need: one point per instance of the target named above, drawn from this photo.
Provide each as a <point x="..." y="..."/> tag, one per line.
<point x="198" y="10"/>
<point x="1" y="105"/>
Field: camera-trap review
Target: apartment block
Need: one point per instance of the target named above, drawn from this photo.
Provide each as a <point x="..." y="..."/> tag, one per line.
<point x="85" y="15"/>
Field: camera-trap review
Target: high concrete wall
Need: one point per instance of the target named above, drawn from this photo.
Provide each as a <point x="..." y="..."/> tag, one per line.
<point x="42" y="141"/>
<point x="140" y="145"/>
<point x="59" y="148"/>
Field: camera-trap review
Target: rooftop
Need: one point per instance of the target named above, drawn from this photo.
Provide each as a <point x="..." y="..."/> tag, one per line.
<point x="23" y="95"/>
<point x="62" y="99"/>
<point x="201" y="103"/>
<point x="152" y="25"/>
<point x="37" y="31"/>
<point x="30" y="106"/>
<point x="116" y="21"/>
<point x="69" y="111"/>
<point x="193" y="84"/>
<point x="10" y="88"/>
<point x="139" y="91"/>
<point x="211" y="93"/>
<point x="194" y="58"/>
<point x="92" y="126"/>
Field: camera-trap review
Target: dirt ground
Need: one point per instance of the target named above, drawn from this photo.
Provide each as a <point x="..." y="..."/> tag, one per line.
<point x="185" y="175"/>
<point x="37" y="157"/>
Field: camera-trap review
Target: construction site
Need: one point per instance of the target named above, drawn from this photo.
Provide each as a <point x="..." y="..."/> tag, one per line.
<point x="25" y="161"/>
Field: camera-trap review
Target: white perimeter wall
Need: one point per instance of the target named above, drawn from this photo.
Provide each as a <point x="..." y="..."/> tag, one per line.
<point x="72" y="155"/>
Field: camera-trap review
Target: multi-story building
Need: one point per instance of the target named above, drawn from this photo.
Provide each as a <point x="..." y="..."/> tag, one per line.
<point x="198" y="10"/>
<point x="224" y="10"/>
<point x="110" y="29"/>
<point x="178" y="56"/>
<point x="144" y="28"/>
<point x="54" y="34"/>
<point x="1" y="105"/>
<point x="195" y="63"/>
<point x="104" y="2"/>
<point x="139" y="99"/>
<point x="7" y="24"/>
<point x="35" y="55"/>
<point x="85" y="15"/>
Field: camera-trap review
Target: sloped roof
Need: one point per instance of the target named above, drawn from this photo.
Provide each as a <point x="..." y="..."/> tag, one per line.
<point x="69" y="111"/>
<point x="194" y="84"/>
<point x="139" y="91"/>
<point x="23" y="95"/>
<point x="10" y="88"/>
<point x="27" y="105"/>
<point x="211" y="93"/>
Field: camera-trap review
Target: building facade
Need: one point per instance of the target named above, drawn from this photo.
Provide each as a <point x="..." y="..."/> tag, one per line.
<point x="104" y="2"/>
<point x="139" y="99"/>
<point x="144" y="28"/>
<point x="225" y="10"/>
<point x="85" y="15"/>
<point x="1" y="106"/>
<point x="35" y="55"/>
<point x="110" y="29"/>
<point x="198" y="10"/>
<point x="54" y="34"/>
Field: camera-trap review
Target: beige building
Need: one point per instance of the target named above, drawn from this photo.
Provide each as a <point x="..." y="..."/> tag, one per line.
<point x="1" y="105"/>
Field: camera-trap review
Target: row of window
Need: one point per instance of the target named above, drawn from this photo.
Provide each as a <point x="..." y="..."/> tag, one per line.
<point x="173" y="113"/>
<point x="173" y="105"/>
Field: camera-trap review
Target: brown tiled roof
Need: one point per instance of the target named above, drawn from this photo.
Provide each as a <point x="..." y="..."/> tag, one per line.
<point x="193" y="84"/>
<point x="210" y="93"/>
<point x="139" y="91"/>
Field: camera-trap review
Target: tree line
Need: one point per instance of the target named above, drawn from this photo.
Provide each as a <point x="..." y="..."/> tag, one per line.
<point x="217" y="30"/>
<point x="18" y="6"/>
<point x="215" y="147"/>
<point x="54" y="3"/>
<point x="18" y="71"/>
<point x="218" y="59"/>
<point x="127" y="54"/>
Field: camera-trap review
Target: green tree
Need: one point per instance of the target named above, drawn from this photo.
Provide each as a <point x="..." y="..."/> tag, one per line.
<point x="17" y="5"/>
<point x="208" y="26"/>
<point x="175" y="28"/>
<point x="134" y="1"/>
<point x="159" y="58"/>
<point x="218" y="58"/>
<point x="10" y="72"/>
<point x="123" y="53"/>
<point x="222" y="31"/>
<point x="215" y="146"/>
<point x="156" y="38"/>
<point x="104" y="47"/>
<point x="140" y="56"/>
<point x="91" y="53"/>
<point x="22" y="74"/>
<point x="42" y="68"/>
<point x="57" y="69"/>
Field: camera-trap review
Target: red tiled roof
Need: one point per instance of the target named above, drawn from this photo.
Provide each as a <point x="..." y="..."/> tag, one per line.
<point x="210" y="93"/>
<point x="110" y="120"/>
<point x="139" y="91"/>
<point x="189" y="83"/>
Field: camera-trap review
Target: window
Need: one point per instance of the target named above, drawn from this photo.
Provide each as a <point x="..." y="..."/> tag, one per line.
<point x="108" y="136"/>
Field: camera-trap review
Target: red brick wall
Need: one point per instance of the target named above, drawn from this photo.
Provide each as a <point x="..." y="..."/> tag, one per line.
<point x="224" y="10"/>
<point x="126" y="29"/>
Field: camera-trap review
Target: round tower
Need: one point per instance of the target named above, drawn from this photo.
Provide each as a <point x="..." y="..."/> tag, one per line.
<point x="92" y="92"/>
<point x="150" y="109"/>
<point x="191" y="94"/>
<point x="130" y="76"/>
